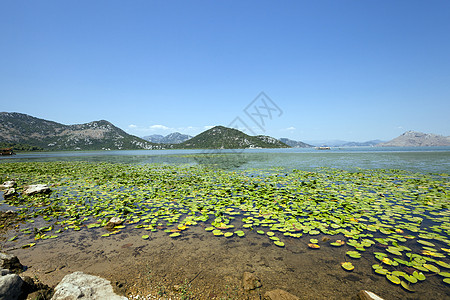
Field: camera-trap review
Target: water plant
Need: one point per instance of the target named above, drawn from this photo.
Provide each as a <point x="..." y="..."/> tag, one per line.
<point x="399" y="220"/>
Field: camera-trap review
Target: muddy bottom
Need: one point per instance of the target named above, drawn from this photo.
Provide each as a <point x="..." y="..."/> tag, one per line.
<point x="198" y="265"/>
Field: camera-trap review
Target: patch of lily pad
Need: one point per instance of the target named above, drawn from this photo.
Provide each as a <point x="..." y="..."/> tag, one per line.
<point x="398" y="220"/>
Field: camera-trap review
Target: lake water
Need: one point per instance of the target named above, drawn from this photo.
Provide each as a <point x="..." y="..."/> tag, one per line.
<point x="213" y="266"/>
<point x="416" y="159"/>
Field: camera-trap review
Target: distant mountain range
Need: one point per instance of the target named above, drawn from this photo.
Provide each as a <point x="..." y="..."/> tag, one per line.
<point x="173" y="138"/>
<point x="340" y="143"/>
<point x="295" y="144"/>
<point x="24" y="132"/>
<point x="17" y="128"/>
<point x="415" y="139"/>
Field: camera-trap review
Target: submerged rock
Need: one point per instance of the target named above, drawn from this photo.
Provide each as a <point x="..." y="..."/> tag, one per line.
<point x="10" y="286"/>
<point x="10" y="262"/>
<point x="279" y="294"/>
<point x="9" y="193"/>
<point x="366" y="295"/>
<point x="250" y="281"/>
<point x="36" y="189"/>
<point x="114" y="221"/>
<point x="83" y="286"/>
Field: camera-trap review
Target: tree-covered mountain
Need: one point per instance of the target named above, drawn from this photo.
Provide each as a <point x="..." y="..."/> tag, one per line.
<point x="416" y="139"/>
<point x="17" y="128"/>
<point x="173" y="138"/>
<point x="220" y="137"/>
<point x="295" y="144"/>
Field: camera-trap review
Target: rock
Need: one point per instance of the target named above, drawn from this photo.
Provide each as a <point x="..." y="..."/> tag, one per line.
<point x="250" y="281"/>
<point x="366" y="295"/>
<point x="8" y="184"/>
<point x="10" y="287"/>
<point x="114" y="221"/>
<point x="36" y="189"/>
<point x="9" y="193"/>
<point x="3" y="272"/>
<point x="279" y="294"/>
<point x="36" y="290"/>
<point x="10" y="262"/>
<point x="83" y="286"/>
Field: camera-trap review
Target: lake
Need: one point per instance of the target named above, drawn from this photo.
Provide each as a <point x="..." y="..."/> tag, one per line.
<point x="416" y="159"/>
<point x="196" y="220"/>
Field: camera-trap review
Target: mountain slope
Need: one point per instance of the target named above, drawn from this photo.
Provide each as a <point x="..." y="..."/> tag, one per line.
<point x="220" y="137"/>
<point x="173" y="138"/>
<point x="416" y="139"/>
<point x="20" y="128"/>
<point x="295" y="144"/>
<point x="154" y="138"/>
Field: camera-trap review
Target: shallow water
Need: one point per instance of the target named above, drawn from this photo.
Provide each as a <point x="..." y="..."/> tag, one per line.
<point x="213" y="266"/>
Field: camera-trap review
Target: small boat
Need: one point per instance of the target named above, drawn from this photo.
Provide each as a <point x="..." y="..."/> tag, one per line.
<point x="323" y="148"/>
<point x="7" y="151"/>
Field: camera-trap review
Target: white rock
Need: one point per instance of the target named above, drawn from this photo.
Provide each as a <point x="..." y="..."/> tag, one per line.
<point x="9" y="193"/>
<point x="8" y="184"/>
<point x="36" y="189"/>
<point x="82" y="286"/>
<point x="367" y="295"/>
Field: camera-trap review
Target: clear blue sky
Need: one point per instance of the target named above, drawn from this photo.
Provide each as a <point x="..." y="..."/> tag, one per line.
<point x="350" y="70"/>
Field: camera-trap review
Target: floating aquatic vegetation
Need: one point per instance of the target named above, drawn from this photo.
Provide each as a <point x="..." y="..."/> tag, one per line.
<point x="397" y="219"/>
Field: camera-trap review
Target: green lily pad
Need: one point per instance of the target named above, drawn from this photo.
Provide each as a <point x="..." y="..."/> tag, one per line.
<point x="239" y="233"/>
<point x="353" y="254"/>
<point x="419" y="275"/>
<point x="444" y="274"/>
<point x="175" y="234"/>
<point x="406" y="286"/>
<point x="348" y="266"/>
<point x="392" y="278"/>
<point x="426" y="243"/>
<point x="145" y="236"/>
<point x="432" y="268"/>
<point x="279" y="243"/>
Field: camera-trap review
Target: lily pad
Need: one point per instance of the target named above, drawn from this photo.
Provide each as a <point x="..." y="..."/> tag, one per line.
<point x="279" y="243"/>
<point x="175" y="234"/>
<point x="392" y="278"/>
<point x="348" y="266"/>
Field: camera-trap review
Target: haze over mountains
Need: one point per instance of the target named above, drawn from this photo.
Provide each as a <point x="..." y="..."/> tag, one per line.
<point x="24" y="132"/>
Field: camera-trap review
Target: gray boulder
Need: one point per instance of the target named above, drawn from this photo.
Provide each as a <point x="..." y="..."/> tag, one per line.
<point x="82" y="286"/>
<point x="36" y="189"/>
<point x="10" y="287"/>
<point x="10" y="262"/>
